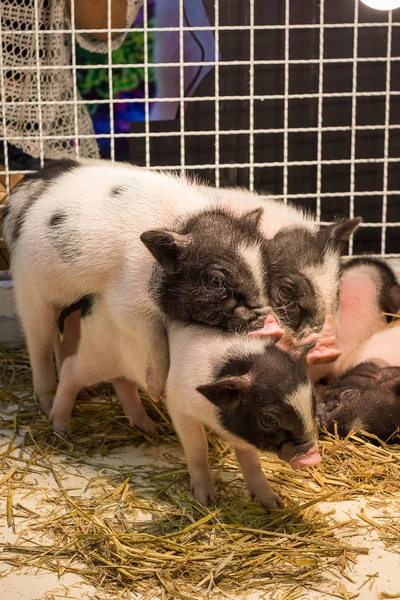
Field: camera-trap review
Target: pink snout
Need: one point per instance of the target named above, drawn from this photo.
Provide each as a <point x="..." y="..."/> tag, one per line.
<point x="310" y="459"/>
<point x="270" y="328"/>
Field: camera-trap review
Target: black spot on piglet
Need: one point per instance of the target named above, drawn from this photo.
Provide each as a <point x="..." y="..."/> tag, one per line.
<point x="117" y="190"/>
<point x="57" y="219"/>
<point x="85" y="305"/>
<point x="65" y="238"/>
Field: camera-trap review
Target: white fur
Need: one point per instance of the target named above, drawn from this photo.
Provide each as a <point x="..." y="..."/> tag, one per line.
<point x="276" y="215"/>
<point x="112" y="261"/>
<point x="196" y="354"/>
<point x="252" y="257"/>
<point x="325" y="280"/>
<point x="299" y="400"/>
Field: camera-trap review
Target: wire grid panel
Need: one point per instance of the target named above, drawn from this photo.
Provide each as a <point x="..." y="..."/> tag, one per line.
<point x="295" y="97"/>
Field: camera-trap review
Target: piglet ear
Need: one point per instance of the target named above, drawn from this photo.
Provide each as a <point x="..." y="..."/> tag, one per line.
<point x="396" y="387"/>
<point x="253" y="217"/>
<point x="166" y="247"/>
<point x="226" y="392"/>
<point x="391" y="299"/>
<point x="340" y="231"/>
<point x="390" y="379"/>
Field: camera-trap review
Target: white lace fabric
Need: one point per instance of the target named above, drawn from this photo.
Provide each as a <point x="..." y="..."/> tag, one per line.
<point x="22" y="48"/>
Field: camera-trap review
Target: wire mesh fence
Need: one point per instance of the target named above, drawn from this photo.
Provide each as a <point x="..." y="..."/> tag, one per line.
<point x="297" y="98"/>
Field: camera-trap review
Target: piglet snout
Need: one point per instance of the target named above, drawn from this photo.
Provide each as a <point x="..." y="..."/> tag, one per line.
<point x="310" y="459"/>
<point x="243" y="318"/>
<point x="270" y="328"/>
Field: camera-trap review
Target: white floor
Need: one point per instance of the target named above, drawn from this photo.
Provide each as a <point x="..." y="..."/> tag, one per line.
<point x="373" y="576"/>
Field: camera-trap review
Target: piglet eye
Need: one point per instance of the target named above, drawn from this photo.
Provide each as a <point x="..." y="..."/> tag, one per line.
<point x="214" y="279"/>
<point x="286" y="291"/>
<point x="269" y="422"/>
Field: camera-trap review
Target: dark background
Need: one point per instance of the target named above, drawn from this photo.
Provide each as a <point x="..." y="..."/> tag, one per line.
<point x="269" y="79"/>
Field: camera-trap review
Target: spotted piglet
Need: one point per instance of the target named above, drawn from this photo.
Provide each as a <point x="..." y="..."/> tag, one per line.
<point x="151" y="244"/>
<point x="243" y="388"/>
<point x="304" y="267"/>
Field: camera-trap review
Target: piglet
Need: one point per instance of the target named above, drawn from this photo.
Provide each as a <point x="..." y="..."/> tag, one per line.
<point x="368" y="287"/>
<point x="304" y="268"/>
<point x="365" y="389"/>
<point x="153" y="245"/>
<point x="367" y="397"/>
<point x="244" y="388"/>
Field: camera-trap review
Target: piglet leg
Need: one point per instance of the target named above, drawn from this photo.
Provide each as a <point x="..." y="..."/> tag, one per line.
<point x="127" y="392"/>
<point x="158" y="363"/>
<point x="148" y="333"/>
<point x="68" y="387"/>
<point x="193" y="437"/>
<point x="68" y="345"/>
<point x="38" y="322"/>
<point x="255" y="479"/>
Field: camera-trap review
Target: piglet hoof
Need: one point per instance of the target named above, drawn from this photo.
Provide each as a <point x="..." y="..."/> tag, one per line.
<point x="46" y="402"/>
<point x="270" y="500"/>
<point x="203" y="491"/>
<point x="262" y="491"/>
<point x="147" y="425"/>
<point x="60" y="423"/>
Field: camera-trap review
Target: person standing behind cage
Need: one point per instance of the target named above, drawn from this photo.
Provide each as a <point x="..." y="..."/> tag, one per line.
<point x="35" y="99"/>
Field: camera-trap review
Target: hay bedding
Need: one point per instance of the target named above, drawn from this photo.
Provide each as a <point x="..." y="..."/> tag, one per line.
<point x="112" y="509"/>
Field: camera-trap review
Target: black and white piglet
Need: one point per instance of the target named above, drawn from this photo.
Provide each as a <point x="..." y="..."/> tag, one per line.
<point x="367" y="397"/>
<point x="304" y="267"/>
<point x="365" y="388"/>
<point x="78" y="228"/>
<point x="246" y="389"/>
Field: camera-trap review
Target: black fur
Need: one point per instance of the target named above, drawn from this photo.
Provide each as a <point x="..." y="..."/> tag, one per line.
<point x="236" y="367"/>
<point x="57" y="219"/>
<point x="366" y="395"/>
<point x="251" y="394"/>
<point x="201" y="276"/>
<point x="48" y="175"/>
<point x="291" y="292"/>
<point x="64" y="238"/>
<point x="117" y="190"/>
<point x="53" y="169"/>
<point x="85" y="305"/>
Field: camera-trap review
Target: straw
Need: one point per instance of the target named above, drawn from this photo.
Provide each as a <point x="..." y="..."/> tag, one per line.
<point x="137" y="528"/>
